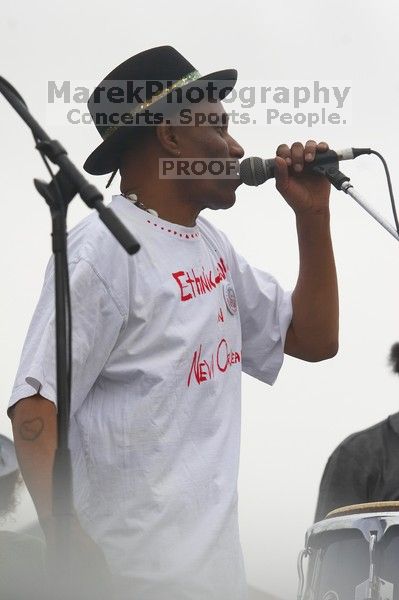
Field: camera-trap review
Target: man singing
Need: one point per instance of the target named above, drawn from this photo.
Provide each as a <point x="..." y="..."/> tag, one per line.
<point x="159" y="343"/>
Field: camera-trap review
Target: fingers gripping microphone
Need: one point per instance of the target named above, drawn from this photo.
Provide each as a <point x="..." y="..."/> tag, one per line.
<point x="255" y="170"/>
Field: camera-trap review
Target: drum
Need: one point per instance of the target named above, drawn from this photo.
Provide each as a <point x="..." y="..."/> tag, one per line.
<point x="353" y="554"/>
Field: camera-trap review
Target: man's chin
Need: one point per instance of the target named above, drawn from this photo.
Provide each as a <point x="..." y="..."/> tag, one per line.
<point x="232" y="201"/>
<point x="227" y="201"/>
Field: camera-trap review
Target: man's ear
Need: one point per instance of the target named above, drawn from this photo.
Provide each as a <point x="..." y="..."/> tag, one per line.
<point x="168" y="138"/>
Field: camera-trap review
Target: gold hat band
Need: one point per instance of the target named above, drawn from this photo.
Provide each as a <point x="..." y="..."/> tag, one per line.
<point x="193" y="76"/>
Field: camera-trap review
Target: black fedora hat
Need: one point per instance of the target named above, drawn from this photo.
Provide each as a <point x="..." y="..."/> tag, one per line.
<point x="154" y="75"/>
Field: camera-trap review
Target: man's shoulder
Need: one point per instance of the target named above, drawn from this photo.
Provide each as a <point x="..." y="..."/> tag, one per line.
<point x="96" y="256"/>
<point x="366" y="440"/>
<point x="91" y="240"/>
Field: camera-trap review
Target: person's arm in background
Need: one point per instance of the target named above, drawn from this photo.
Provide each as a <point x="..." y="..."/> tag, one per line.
<point x="313" y="333"/>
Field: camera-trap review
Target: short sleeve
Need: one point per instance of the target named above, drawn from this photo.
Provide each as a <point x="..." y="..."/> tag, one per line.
<point x="265" y="314"/>
<point x="97" y="320"/>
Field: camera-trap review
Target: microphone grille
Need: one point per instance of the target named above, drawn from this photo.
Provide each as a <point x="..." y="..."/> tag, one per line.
<point x="252" y="171"/>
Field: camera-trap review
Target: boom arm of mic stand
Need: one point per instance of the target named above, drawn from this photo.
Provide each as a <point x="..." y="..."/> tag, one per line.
<point x="71" y="181"/>
<point x="351" y="191"/>
<point x="341" y="183"/>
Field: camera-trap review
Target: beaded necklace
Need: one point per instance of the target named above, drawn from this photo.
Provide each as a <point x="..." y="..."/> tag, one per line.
<point x="133" y="198"/>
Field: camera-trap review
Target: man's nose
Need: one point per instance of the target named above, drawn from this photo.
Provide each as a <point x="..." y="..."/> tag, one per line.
<point x="236" y="151"/>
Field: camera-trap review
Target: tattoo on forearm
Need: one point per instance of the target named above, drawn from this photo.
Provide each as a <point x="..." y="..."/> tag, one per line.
<point x="31" y="430"/>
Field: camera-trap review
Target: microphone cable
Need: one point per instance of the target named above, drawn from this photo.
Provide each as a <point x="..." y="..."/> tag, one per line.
<point x="391" y="195"/>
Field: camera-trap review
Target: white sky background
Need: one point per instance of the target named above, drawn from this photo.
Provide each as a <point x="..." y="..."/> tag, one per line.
<point x="290" y="429"/>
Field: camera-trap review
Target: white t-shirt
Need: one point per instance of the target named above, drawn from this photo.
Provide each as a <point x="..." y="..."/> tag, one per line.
<point x="159" y="342"/>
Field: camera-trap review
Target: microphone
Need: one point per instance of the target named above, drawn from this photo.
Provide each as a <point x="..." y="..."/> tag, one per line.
<point x="255" y="170"/>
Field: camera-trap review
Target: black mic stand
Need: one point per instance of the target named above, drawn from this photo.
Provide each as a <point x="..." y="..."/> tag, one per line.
<point x="58" y="194"/>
